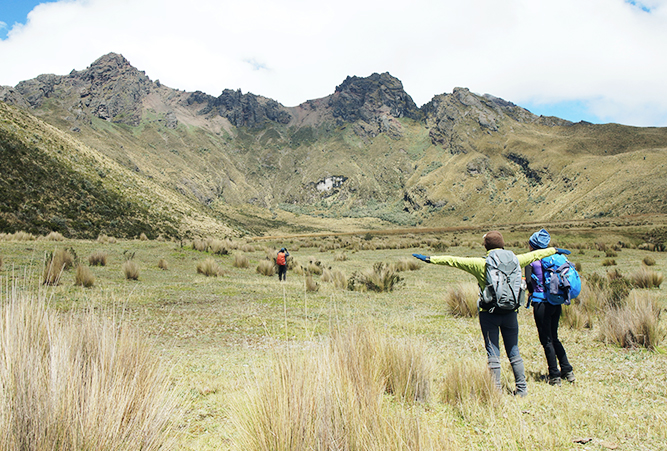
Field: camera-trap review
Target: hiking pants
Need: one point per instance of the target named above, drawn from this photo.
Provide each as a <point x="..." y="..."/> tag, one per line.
<point x="547" y="317"/>
<point x="493" y="325"/>
<point x="282" y="272"/>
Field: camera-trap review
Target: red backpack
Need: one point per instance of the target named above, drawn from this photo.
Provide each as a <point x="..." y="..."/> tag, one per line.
<point x="281" y="258"/>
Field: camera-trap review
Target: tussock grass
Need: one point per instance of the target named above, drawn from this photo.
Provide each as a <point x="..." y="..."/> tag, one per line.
<point x="311" y="285"/>
<point x="240" y="261"/>
<point x="461" y="300"/>
<point x="406" y="264"/>
<point x="162" y="264"/>
<point x="219" y="247"/>
<point x="336" y="277"/>
<point x="266" y="268"/>
<point x="340" y="257"/>
<point x="1" y="263"/>
<point x="635" y="325"/>
<point x="143" y="237"/>
<point x="645" y="278"/>
<point x="84" y="277"/>
<point x="648" y="261"/>
<point x="382" y="278"/>
<point x="609" y="262"/>
<point x="209" y="267"/>
<point x="58" y="261"/>
<point x="331" y="397"/>
<point x="54" y="236"/>
<point x="77" y="382"/>
<point x="98" y="258"/>
<point x="19" y="236"/>
<point x="104" y="239"/>
<point x="468" y="382"/>
<point x="130" y="270"/>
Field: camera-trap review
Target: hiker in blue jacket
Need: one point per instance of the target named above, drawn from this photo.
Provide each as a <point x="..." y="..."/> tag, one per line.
<point x="547" y="315"/>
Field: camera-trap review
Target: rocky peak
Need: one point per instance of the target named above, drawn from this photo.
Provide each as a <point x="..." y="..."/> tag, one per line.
<point x="368" y="98"/>
<point x="242" y="110"/>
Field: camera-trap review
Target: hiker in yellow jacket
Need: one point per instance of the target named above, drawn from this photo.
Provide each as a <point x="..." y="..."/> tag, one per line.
<point x="494" y="322"/>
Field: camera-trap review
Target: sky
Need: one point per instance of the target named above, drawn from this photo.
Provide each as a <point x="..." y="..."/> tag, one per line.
<point x="599" y="61"/>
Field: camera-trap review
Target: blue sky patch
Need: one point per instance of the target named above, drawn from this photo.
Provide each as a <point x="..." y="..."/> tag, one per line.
<point x="13" y="12"/>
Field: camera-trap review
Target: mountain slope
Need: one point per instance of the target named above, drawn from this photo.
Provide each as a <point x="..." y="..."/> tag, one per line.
<point x="51" y="182"/>
<point x="364" y="151"/>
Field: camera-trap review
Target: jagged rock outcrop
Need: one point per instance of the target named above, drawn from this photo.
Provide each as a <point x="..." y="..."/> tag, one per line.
<point x="111" y="89"/>
<point x="242" y="110"/>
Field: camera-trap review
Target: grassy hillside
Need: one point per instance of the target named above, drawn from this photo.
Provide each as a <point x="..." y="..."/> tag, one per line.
<point x="53" y="182"/>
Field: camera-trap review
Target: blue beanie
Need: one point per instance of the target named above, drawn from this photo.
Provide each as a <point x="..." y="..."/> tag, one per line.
<point x="540" y="240"/>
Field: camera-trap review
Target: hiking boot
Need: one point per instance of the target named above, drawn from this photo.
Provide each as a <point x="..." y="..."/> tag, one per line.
<point x="554" y="381"/>
<point x="569" y="376"/>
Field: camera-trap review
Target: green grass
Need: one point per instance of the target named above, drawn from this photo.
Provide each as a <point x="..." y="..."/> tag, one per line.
<point x="212" y="333"/>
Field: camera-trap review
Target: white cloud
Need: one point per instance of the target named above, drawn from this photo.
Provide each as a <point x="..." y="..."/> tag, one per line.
<point x="605" y="53"/>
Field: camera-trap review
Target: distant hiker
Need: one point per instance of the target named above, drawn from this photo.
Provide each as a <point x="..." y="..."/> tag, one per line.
<point x="546" y="314"/>
<point x="498" y="276"/>
<point x="281" y="260"/>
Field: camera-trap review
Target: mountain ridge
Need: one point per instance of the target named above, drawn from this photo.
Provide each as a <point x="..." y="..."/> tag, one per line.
<point x="366" y="150"/>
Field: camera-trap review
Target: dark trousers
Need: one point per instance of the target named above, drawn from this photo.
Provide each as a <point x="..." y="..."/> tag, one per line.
<point x="547" y="317"/>
<point x="493" y="325"/>
<point x="282" y="272"/>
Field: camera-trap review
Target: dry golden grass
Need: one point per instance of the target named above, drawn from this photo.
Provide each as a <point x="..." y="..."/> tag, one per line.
<point x="266" y="268"/>
<point x="130" y="270"/>
<point x="330" y="397"/>
<point x="311" y="285"/>
<point x="240" y="261"/>
<point x="163" y="265"/>
<point x="637" y="324"/>
<point x="382" y="278"/>
<point x="143" y="237"/>
<point x="209" y="267"/>
<point x="84" y="277"/>
<point x="57" y="262"/>
<point x="645" y="278"/>
<point x="468" y="382"/>
<point x="461" y="300"/>
<point x="54" y="236"/>
<point x="98" y="258"/>
<point x="78" y="382"/>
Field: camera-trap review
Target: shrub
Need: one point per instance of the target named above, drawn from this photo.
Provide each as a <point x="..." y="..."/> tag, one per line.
<point x="266" y="268"/>
<point x="209" y="267"/>
<point x="381" y="278"/>
<point x="84" y="277"/>
<point x="162" y="264"/>
<point x="131" y="270"/>
<point x="637" y="324"/>
<point x="311" y="285"/>
<point x="648" y="261"/>
<point x="97" y="258"/>
<point x="461" y="300"/>
<point x="78" y="381"/>
<point x="645" y="278"/>
<point x="240" y="261"/>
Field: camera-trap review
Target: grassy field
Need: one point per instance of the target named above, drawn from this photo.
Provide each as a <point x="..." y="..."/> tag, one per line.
<point x="218" y="335"/>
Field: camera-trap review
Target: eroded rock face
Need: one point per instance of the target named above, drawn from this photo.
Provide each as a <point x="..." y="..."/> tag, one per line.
<point x="370" y="98"/>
